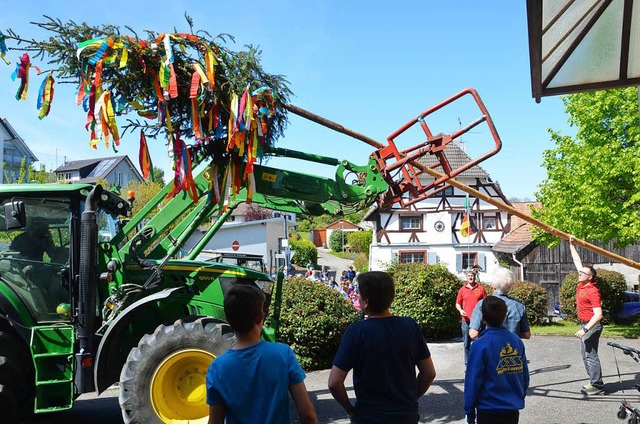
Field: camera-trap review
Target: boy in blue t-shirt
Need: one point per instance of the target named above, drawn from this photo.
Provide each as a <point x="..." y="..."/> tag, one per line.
<point x="497" y="376"/>
<point x="251" y="382"/>
<point x="383" y="351"/>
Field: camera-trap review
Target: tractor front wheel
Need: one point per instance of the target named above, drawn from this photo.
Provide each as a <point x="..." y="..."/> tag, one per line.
<point x="164" y="378"/>
<point x="16" y="379"/>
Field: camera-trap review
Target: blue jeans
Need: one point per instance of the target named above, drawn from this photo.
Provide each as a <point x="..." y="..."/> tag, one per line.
<point x="466" y="340"/>
<point x="589" y="350"/>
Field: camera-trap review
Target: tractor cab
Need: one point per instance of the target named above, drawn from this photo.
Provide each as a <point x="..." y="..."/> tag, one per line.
<point x="38" y="245"/>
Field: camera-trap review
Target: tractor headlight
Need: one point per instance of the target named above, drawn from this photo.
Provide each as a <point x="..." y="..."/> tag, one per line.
<point x="265" y="286"/>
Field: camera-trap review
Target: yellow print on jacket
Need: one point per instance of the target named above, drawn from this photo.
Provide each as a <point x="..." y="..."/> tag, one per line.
<point x="510" y="361"/>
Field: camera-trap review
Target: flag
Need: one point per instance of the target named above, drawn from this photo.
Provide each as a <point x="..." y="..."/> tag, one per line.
<point x="467" y="228"/>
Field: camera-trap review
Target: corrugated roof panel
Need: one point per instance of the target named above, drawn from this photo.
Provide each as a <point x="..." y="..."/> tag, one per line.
<point x="597" y="57"/>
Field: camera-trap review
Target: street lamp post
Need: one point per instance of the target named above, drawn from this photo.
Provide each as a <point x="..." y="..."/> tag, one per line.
<point x="342" y="234"/>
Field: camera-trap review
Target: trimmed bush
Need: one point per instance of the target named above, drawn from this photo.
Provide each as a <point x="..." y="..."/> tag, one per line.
<point x="611" y="284"/>
<point x="360" y="241"/>
<point x="427" y="293"/>
<point x="361" y="263"/>
<point x="312" y="321"/>
<point x="305" y="250"/>
<point x="336" y="239"/>
<point x="534" y="298"/>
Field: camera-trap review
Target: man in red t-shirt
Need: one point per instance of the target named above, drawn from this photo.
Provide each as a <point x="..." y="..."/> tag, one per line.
<point x="468" y="296"/>
<point x="590" y="315"/>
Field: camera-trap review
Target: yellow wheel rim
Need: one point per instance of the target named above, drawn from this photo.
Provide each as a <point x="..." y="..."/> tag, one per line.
<point x="178" y="387"/>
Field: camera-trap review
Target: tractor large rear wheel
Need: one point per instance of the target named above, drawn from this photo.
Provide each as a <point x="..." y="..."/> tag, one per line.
<point x="16" y="379"/>
<point x="164" y="378"/>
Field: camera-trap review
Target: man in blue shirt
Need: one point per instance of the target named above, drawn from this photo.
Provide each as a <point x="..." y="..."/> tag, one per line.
<point x="497" y="376"/>
<point x="383" y="352"/>
<point x="517" y="321"/>
<point x="251" y="382"/>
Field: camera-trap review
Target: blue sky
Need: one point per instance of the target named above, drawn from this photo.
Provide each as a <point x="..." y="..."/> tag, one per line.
<point x="371" y="66"/>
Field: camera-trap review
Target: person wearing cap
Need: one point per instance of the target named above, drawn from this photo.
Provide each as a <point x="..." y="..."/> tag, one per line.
<point x="351" y="274"/>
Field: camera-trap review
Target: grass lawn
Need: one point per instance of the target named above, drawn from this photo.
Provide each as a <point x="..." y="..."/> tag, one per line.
<point x="568" y="328"/>
<point x="343" y="255"/>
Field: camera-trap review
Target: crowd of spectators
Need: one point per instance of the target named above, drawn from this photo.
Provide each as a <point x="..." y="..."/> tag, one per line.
<point x="347" y="286"/>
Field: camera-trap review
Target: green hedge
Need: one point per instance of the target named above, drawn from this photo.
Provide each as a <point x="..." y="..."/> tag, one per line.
<point x="534" y="298"/>
<point x="305" y="250"/>
<point x="611" y="284"/>
<point x="360" y="241"/>
<point x="427" y="293"/>
<point x="361" y="262"/>
<point x="312" y="321"/>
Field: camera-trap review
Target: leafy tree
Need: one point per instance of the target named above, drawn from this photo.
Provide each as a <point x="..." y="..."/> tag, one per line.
<point x="144" y="191"/>
<point x="41" y="175"/>
<point x="158" y="176"/>
<point x="337" y="240"/>
<point x="592" y="189"/>
<point x="256" y="213"/>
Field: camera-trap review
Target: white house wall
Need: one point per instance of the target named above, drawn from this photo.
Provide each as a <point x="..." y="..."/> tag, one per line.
<point x="255" y="237"/>
<point x="443" y="246"/>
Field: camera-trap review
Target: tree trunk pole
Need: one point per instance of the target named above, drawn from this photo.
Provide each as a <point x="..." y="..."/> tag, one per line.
<point x="455" y="183"/>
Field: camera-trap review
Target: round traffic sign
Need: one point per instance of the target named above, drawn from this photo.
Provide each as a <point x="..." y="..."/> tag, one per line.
<point x="235" y="245"/>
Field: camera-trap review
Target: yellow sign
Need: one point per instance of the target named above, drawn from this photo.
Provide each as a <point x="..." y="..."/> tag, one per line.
<point x="268" y="177"/>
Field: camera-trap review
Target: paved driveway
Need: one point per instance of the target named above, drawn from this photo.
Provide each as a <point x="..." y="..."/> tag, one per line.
<point x="336" y="265"/>
<point x="557" y="374"/>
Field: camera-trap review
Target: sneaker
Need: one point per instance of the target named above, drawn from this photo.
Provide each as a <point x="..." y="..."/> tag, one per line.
<point x="591" y="390"/>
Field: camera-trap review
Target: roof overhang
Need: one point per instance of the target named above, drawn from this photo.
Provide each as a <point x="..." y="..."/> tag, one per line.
<point x="581" y="45"/>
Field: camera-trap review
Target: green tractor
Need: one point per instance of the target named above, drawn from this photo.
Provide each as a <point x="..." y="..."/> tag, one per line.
<point x="89" y="298"/>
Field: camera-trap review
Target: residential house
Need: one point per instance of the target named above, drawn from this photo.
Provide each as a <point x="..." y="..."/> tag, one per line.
<point x="321" y="236"/>
<point x="13" y="150"/>
<point x="429" y="231"/>
<point x="548" y="267"/>
<point x="117" y="170"/>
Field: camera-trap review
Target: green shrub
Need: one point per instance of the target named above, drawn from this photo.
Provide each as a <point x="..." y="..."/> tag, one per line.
<point x="534" y="298"/>
<point x="361" y="263"/>
<point x="611" y="284"/>
<point x="305" y="250"/>
<point x="427" y="293"/>
<point x="335" y="240"/>
<point x="360" y="241"/>
<point x="312" y="321"/>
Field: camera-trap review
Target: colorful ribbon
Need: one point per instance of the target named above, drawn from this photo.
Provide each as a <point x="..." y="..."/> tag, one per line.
<point x="45" y="96"/>
<point x="144" y="158"/>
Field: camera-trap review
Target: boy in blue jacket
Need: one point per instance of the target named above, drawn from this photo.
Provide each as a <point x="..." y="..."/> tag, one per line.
<point x="497" y="377"/>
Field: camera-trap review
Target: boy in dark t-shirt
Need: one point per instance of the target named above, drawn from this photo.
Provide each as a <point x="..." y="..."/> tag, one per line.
<point x="383" y="352"/>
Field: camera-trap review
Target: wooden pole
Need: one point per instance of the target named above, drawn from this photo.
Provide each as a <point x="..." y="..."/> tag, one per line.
<point x="455" y="183"/>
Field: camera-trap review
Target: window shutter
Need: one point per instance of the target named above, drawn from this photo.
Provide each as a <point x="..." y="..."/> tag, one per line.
<point x="458" y="262"/>
<point x="432" y="258"/>
<point x="482" y="261"/>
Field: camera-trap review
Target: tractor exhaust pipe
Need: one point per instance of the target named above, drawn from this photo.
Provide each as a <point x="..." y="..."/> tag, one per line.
<point x="87" y="282"/>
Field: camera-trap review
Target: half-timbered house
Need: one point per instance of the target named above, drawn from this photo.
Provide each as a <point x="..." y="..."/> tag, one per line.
<point x="429" y="231"/>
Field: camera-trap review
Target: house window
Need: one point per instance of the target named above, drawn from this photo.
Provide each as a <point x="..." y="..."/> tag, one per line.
<point x="412" y="256"/>
<point x="408" y="223"/>
<point x="448" y="191"/>
<point x="468" y="260"/>
<point x="489" y="223"/>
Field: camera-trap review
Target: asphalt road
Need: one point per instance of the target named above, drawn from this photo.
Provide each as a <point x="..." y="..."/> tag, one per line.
<point x="554" y="396"/>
